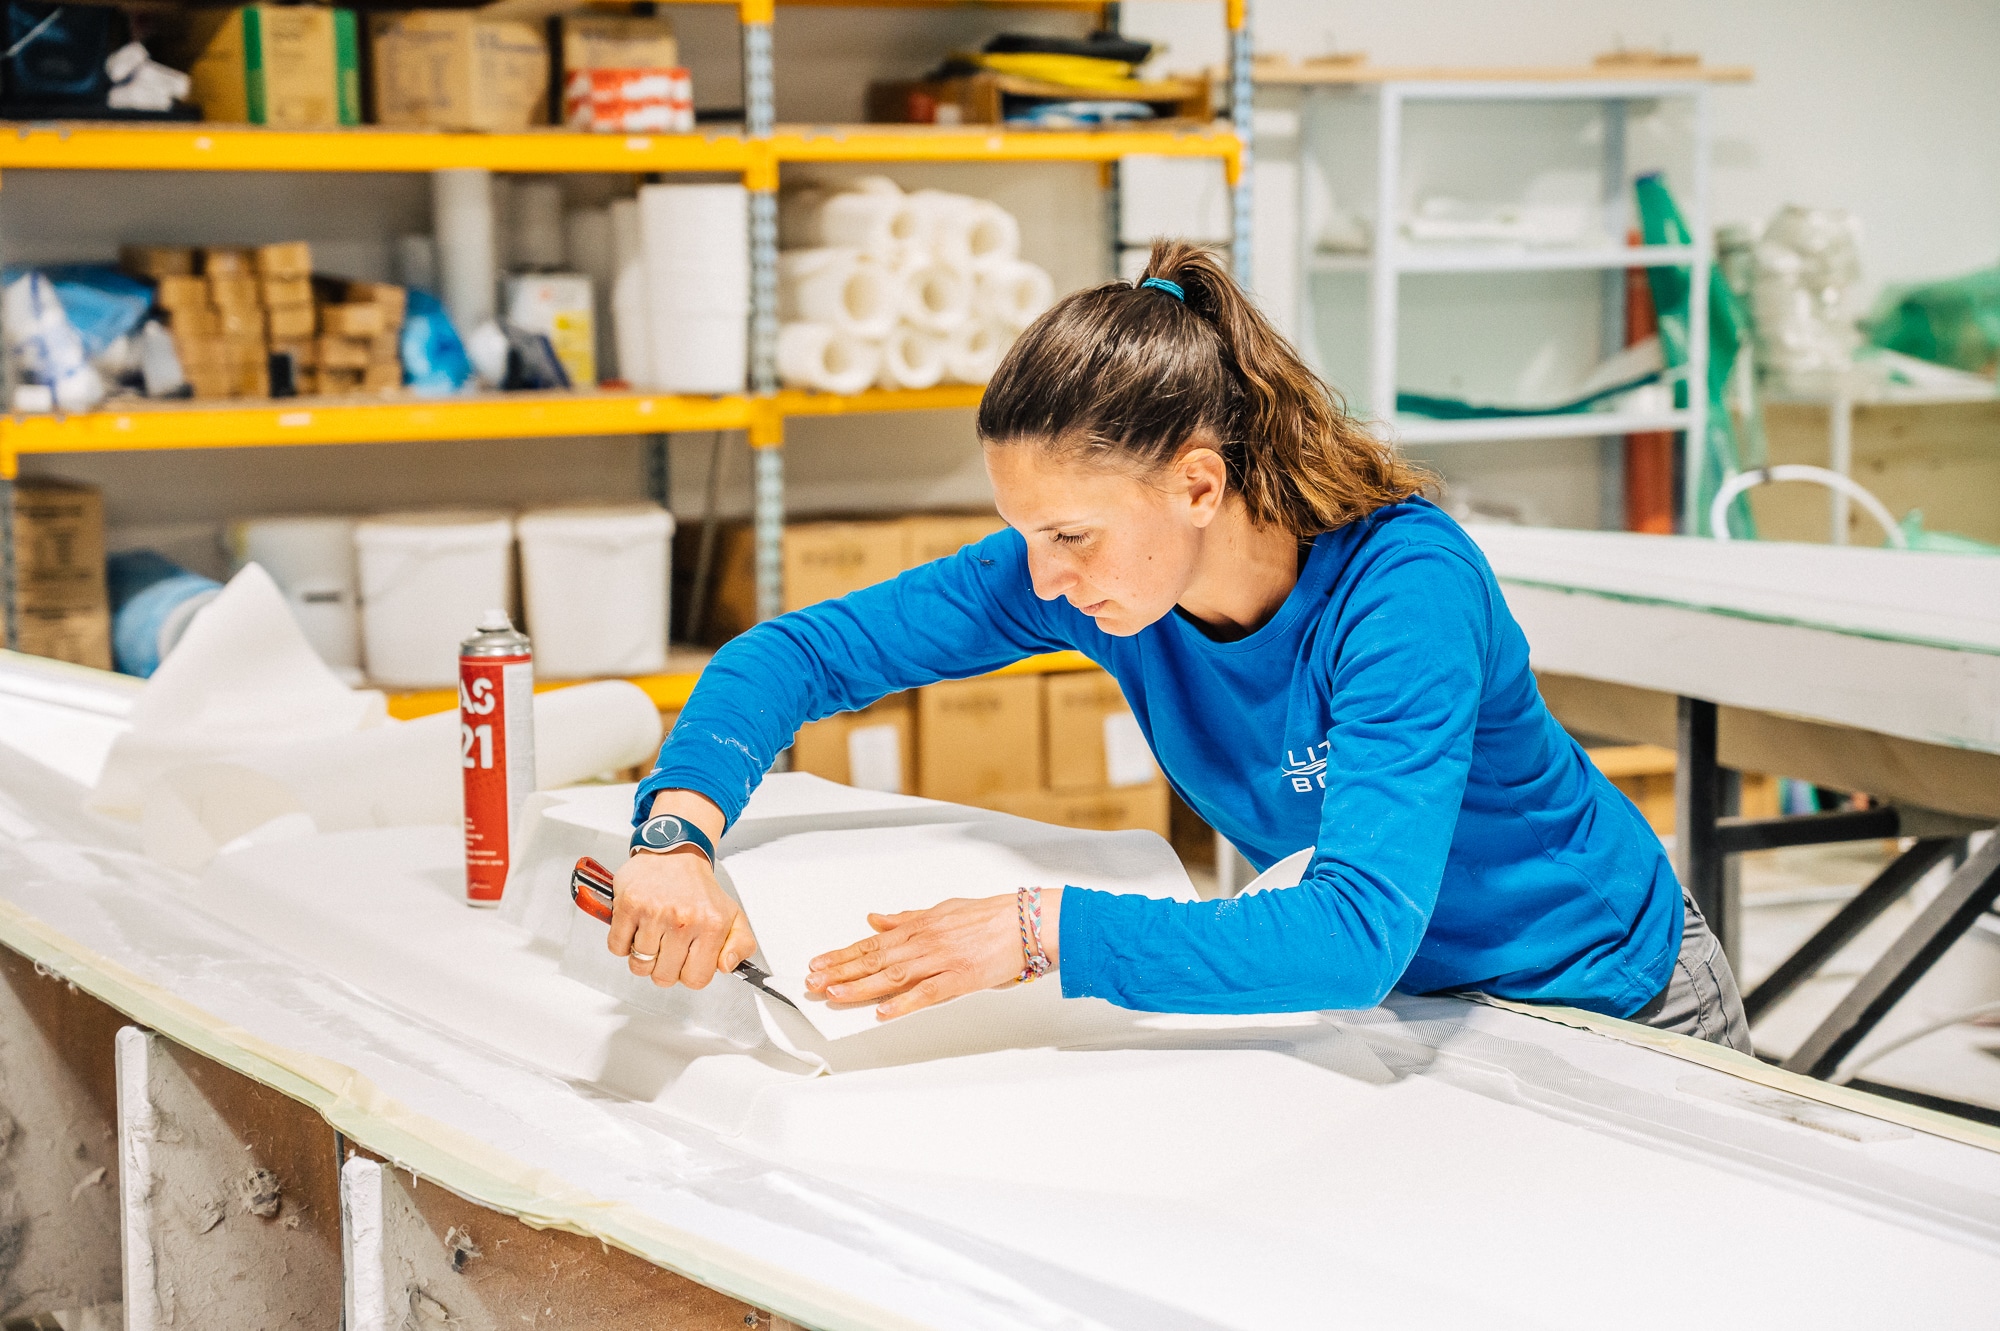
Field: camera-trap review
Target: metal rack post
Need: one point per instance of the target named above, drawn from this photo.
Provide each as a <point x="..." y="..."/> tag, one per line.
<point x="1382" y="276"/>
<point x="759" y="119"/>
<point x="1243" y="119"/>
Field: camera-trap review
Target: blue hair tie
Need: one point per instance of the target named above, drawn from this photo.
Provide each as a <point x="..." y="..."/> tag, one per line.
<point x="1171" y="288"/>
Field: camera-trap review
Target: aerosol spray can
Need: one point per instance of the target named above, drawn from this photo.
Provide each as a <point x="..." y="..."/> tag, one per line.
<point x="496" y="740"/>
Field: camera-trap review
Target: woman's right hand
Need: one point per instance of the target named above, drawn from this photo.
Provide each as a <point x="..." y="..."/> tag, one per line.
<point x="670" y="919"/>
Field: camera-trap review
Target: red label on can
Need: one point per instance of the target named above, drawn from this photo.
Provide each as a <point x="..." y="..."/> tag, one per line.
<point x="496" y="715"/>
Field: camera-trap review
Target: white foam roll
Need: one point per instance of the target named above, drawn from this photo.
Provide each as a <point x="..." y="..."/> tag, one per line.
<point x="911" y="358"/>
<point x="937" y="297"/>
<point x="970" y="233"/>
<point x="697" y="245"/>
<point x="973" y="351"/>
<point x="699" y="353"/>
<point x="462" y="215"/>
<point x="536" y="225"/>
<point x="883" y="224"/>
<point x="1013" y="294"/>
<point x="844" y="288"/>
<point x="875" y="185"/>
<point x="631" y="319"/>
<point x="587" y="249"/>
<point x="826" y="359"/>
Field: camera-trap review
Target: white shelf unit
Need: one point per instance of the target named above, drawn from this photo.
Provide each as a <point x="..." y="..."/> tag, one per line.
<point x="1391" y="256"/>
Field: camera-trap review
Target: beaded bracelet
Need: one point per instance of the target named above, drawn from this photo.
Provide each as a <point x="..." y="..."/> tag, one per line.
<point x="1035" y="962"/>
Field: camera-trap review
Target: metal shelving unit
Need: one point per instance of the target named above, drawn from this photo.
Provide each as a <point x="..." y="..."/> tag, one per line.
<point x="757" y="152"/>
<point x="1391" y="257"/>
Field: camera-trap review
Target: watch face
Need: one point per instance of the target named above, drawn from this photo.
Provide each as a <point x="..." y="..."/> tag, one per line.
<point x="662" y="831"/>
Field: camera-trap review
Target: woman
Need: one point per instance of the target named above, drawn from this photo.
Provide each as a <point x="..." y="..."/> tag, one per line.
<point x="1318" y="656"/>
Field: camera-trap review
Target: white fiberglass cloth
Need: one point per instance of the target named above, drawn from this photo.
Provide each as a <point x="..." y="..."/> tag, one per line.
<point x="1429" y="1164"/>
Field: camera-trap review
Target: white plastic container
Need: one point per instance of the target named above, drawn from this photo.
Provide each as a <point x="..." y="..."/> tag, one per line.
<point x="425" y="580"/>
<point x="594" y="581"/>
<point x="312" y="561"/>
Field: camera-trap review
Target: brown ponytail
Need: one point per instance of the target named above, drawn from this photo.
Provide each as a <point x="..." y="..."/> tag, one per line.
<point x="1126" y="373"/>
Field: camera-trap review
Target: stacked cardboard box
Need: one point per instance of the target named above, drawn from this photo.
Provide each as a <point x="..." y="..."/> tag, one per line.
<point x="824" y="559"/>
<point x="292" y="65"/>
<point x="360" y="325"/>
<point x="1061" y="748"/>
<point x="242" y="316"/>
<point x="459" y="70"/>
<point x="62" y="607"/>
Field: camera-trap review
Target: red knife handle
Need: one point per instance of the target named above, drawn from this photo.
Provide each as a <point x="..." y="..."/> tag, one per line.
<point x="590" y="889"/>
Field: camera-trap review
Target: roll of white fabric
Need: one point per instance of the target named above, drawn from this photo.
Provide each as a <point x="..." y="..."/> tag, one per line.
<point x="631" y="320"/>
<point x="1013" y="293"/>
<point x="886" y="224"/>
<point x="696" y="240"/>
<point x="826" y="359"/>
<point x="911" y="358"/>
<point x="937" y="297"/>
<point x="970" y="233"/>
<point x="843" y="288"/>
<point x="973" y="352"/>
<point x="536" y="232"/>
<point x="588" y="249"/>
<point x="468" y="275"/>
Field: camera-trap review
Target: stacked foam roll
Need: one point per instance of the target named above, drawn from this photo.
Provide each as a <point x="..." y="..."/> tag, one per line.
<point x="679" y="277"/>
<point x="899" y="290"/>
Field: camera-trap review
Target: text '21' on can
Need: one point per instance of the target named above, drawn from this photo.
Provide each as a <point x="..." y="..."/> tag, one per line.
<point x="496" y="740"/>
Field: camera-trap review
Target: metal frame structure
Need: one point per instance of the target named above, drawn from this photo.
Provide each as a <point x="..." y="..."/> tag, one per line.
<point x="757" y="153"/>
<point x="1390" y="257"/>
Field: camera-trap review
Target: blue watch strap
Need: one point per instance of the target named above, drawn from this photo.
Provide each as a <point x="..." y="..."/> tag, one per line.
<point x="664" y="831"/>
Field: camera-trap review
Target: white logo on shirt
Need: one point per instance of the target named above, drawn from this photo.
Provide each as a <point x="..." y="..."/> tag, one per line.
<point x="1310" y="772"/>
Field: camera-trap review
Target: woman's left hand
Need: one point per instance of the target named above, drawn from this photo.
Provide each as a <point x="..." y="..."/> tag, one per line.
<point x="923" y="957"/>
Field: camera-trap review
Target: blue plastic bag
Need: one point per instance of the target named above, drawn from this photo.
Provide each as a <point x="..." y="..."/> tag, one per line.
<point x="434" y="359"/>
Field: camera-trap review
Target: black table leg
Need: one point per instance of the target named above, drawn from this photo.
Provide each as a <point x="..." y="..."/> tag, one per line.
<point x="1701" y="791"/>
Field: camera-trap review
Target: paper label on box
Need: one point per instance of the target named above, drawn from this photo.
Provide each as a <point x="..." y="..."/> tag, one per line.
<point x="875" y="759"/>
<point x="1128" y="761"/>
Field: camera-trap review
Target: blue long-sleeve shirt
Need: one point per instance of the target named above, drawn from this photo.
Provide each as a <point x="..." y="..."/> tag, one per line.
<point x="1384" y="716"/>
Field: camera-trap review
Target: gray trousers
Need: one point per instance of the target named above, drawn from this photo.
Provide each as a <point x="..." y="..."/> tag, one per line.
<point x="1700" y="998"/>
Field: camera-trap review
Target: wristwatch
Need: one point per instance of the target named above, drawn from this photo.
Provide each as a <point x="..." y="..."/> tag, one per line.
<point x="664" y="832"/>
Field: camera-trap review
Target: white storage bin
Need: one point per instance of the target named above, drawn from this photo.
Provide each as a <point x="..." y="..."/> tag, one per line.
<point x="425" y="580"/>
<point x="594" y="582"/>
<point x="312" y="561"/>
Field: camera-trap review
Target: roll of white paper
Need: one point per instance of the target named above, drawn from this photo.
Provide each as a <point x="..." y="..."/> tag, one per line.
<point x="536" y="225"/>
<point x="631" y="320"/>
<point x="588" y="249"/>
<point x="969" y="233"/>
<point x="936" y="297"/>
<point x="911" y="358"/>
<point x="972" y="352"/>
<point x="700" y="353"/>
<point x="826" y="359"/>
<point x="697" y="245"/>
<point x="462" y="215"/>
<point x="843" y="288"/>
<point x="1013" y="293"/>
<point x="885" y="224"/>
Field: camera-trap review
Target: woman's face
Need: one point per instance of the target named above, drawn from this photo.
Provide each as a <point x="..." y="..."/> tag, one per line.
<point x="1119" y="548"/>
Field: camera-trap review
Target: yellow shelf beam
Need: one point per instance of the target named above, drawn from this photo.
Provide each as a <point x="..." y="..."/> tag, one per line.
<point x="80" y="146"/>
<point x="77" y="146"/>
<point x="798" y="402"/>
<point x="670" y="692"/>
<point x="266" y="424"/>
<point x="994" y="143"/>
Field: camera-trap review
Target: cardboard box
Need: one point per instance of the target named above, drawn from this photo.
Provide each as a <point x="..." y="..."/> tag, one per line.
<point x="209" y="380"/>
<point x="1094" y="741"/>
<point x="393" y="299"/>
<point x="80" y="636"/>
<point x="195" y="321"/>
<point x="285" y="292"/>
<point x="181" y="291"/>
<point x="296" y="66"/>
<point x="928" y="536"/>
<point x="241" y="325"/>
<point x="234" y="292"/>
<point x="154" y="262"/>
<point x="591" y="41"/>
<point x="828" y="559"/>
<point x="386" y="346"/>
<point x="290" y="259"/>
<point x="976" y="737"/>
<point x="289" y="323"/>
<point x="225" y="261"/>
<point x="343" y="353"/>
<point x="380" y="375"/>
<point x="1144" y="808"/>
<point x="58" y="545"/>
<point x="988" y="98"/>
<point x="359" y="320"/>
<point x="459" y="71"/>
<point x="874" y="749"/>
